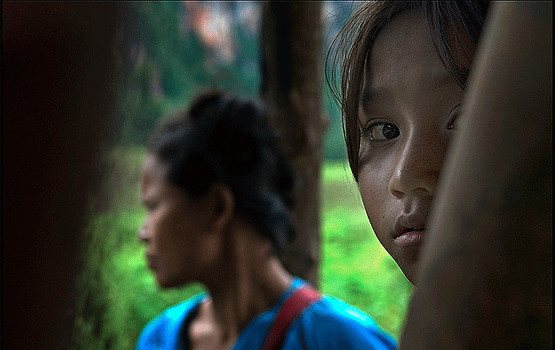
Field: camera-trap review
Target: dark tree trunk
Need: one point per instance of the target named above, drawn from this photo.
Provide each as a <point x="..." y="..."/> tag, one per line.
<point x="291" y="88"/>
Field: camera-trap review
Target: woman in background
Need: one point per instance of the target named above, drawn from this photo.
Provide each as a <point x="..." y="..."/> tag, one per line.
<point x="218" y="194"/>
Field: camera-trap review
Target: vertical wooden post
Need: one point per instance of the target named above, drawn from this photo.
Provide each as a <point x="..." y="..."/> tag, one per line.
<point x="486" y="274"/>
<point x="291" y="43"/>
<point x="56" y="113"/>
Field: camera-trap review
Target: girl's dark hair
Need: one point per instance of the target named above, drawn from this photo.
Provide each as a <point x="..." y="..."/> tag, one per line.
<point x="225" y="139"/>
<point x="452" y="23"/>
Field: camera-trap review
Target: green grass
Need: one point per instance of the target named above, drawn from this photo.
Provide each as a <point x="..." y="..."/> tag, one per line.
<point x="118" y="294"/>
<point x="354" y="266"/>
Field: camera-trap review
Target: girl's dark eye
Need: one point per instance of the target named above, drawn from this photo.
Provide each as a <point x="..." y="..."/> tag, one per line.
<point x="381" y="132"/>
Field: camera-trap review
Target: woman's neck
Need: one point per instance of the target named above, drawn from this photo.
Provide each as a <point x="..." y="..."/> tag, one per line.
<point x="249" y="281"/>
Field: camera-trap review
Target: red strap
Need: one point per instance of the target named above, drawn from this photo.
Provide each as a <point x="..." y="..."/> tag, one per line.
<point x="299" y="300"/>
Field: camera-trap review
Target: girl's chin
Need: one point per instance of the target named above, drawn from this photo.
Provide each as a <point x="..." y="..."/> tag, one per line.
<point x="408" y="264"/>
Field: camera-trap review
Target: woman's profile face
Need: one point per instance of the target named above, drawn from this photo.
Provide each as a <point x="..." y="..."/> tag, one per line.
<point x="178" y="247"/>
<point x="408" y="108"/>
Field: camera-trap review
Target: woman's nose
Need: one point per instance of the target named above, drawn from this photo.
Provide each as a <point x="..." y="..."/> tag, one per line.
<point x="143" y="233"/>
<point x="418" y="164"/>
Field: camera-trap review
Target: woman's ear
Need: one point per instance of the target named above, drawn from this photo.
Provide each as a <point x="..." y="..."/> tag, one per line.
<point x="221" y="206"/>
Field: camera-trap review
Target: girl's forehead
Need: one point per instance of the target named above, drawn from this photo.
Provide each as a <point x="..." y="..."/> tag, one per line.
<point x="403" y="37"/>
<point x="404" y="73"/>
<point x="408" y="31"/>
<point x="403" y="46"/>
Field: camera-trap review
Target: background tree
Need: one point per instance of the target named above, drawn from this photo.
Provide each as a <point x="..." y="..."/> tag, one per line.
<point x="291" y="87"/>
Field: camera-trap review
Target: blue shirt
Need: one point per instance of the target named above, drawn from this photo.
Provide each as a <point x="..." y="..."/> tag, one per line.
<point x="327" y="324"/>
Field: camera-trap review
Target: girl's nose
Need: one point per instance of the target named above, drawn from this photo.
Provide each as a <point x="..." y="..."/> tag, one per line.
<point x="418" y="165"/>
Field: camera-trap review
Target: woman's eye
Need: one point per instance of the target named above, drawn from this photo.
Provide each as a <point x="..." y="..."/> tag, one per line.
<point x="150" y="206"/>
<point x="381" y="132"/>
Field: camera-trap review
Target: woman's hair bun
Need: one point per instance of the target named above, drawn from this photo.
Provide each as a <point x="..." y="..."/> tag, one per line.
<point x="223" y="138"/>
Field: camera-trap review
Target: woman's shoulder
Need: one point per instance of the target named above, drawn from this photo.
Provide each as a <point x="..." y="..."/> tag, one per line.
<point x="335" y="309"/>
<point x="331" y="322"/>
<point x="163" y="331"/>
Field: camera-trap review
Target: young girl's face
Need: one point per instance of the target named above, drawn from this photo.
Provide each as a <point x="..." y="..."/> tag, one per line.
<point x="407" y="113"/>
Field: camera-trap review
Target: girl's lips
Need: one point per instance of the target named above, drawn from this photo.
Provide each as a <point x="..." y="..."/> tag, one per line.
<point x="410" y="237"/>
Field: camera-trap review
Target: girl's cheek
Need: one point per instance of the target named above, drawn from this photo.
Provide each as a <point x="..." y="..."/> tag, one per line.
<point x="363" y="153"/>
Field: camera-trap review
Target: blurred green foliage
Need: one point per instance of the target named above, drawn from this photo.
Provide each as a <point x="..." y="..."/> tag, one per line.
<point x="152" y="50"/>
<point x="118" y="294"/>
<point x="163" y="66"/>
<point x="355" y="267"/>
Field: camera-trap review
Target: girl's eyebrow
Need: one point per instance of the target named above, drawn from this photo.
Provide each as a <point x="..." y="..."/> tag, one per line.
<point x="371" y="95"/>
<point x="440" y="79"/>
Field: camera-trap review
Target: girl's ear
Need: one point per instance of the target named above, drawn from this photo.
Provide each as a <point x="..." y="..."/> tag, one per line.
<point x="221" y="206"/>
